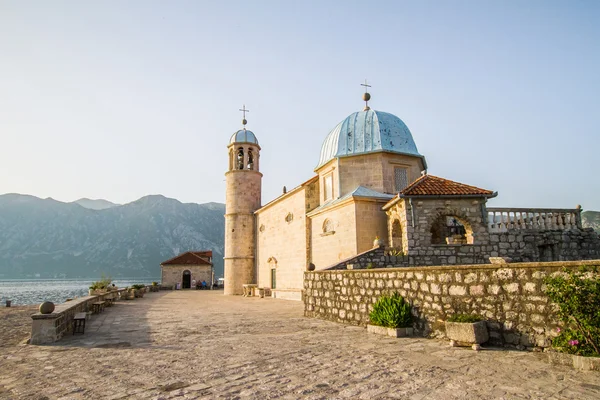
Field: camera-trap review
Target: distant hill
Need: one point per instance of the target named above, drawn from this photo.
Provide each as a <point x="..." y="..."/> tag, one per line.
<point x="591" y="219"/>
<point x="56" y="239"/>
<point x="99" y="204"/>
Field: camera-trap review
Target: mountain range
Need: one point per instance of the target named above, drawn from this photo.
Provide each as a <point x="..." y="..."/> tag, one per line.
<point x="47" y="238"/>
<point x="591" y="219"/>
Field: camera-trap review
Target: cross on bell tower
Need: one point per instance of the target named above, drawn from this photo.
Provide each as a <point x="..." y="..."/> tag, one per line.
<point x="366" y="96"/>
<point x="244" y="111"/>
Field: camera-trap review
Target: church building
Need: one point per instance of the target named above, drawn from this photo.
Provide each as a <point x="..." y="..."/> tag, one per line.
<point x="371" y="184"/>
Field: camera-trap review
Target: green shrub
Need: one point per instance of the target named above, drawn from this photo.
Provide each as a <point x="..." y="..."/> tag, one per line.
<point x="391" y="312"/>
<point x="102" y="284"/>
<point x="396" y="253"/>
<point x="138" y="286"/>
<point x="577" y="295"/>
<point x="468" y="318"/>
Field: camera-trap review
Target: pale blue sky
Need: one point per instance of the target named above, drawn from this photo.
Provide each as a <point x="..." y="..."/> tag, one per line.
<point x="119" y="99"/>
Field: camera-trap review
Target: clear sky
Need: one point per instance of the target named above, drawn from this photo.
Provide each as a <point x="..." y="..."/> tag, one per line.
<point x="120" y="99"/>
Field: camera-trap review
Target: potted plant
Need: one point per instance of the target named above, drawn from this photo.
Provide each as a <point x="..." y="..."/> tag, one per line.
<point x="101" y="286"/>
<point x="391" y="316"/>
<point x="127" y="294"/>
<point x="466" y="330"/>
<point x="138" y="290"/>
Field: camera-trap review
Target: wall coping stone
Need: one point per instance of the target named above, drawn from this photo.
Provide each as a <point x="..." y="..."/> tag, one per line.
<point x="531" y="265"/>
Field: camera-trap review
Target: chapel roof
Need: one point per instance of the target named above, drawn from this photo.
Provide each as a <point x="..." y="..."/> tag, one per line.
<point x="358" y="192"/>
<point x="434" y="186"/>
<point x="190" y="258"/>
<point x="431" y="185"/>
<point x="368" y="131"/>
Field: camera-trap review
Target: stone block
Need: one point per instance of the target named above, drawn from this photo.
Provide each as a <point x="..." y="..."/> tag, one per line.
<point x="511" y="287"/>
<point x="476" y="290"/>
<point x="530" y="287"/>
<point x="467" y="333"/>
<point x="456" y="290"/>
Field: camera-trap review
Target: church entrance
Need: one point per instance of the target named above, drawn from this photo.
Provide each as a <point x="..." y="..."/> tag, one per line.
<point x="186" y="282"/>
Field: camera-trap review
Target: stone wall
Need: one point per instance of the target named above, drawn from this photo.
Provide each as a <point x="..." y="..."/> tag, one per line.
<point x="521" y="245"/>
<point x="372" y="223"/>
<point x="338" y="243"/>
<point x="376" y="171"/>
<point x="510" y="297"/>
<point x="282" y="241"/>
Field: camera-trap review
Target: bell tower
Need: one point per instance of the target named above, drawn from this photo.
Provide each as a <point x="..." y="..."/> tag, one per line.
<point x="243" y="180"/>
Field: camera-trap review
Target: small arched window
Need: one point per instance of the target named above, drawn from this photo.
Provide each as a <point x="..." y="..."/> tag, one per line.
<point x="250" y="159"/>
<point x="240" y="158"/>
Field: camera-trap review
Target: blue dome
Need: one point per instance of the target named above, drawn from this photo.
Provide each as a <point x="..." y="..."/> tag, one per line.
<point x="243" y="136"/>
<point x="368" y="132"/>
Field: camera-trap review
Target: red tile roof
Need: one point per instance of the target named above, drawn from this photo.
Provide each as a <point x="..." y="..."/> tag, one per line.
<point x="430" y="185"/>
<point x="190" y="258"/>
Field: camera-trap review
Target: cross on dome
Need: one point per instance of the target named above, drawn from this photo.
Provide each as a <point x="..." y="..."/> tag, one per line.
<point x="366" y="96"/>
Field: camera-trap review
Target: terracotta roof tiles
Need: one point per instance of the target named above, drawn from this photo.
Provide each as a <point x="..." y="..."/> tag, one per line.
<point x="190" y="258"/>
<point x="430" y="185"/>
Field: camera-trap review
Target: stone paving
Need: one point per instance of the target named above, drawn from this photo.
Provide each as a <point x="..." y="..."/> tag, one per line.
<point x="201" y="344"/>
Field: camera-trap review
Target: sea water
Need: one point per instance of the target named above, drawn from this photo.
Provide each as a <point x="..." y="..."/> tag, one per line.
<point x="36" y="291"/>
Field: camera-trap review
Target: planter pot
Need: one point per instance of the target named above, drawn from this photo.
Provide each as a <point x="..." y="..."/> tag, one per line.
<point x="467" y="334"/>
<point x="575" y="361"/>
<point x="393" y="332"/>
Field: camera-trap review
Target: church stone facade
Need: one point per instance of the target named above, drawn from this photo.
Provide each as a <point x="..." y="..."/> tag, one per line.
<point x="370" y="194"/>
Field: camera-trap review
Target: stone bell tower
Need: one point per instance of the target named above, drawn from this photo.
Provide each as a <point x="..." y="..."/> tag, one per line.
<point x="241" y="200"/>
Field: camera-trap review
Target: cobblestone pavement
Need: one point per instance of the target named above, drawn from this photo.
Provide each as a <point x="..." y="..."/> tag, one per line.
<point x="201" y="344"/>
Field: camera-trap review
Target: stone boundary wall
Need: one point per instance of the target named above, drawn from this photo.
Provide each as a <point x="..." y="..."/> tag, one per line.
<point x="509" y="296"/>
<point x="50" y="328"/>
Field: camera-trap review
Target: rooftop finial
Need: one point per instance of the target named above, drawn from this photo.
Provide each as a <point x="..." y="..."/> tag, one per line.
<point x="366" y="96"/>
<point x="244" y="122"/>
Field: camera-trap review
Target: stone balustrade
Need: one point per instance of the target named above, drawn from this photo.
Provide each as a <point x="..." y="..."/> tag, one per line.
<point x="506" y="219"/>
<point x="49" y="328"/>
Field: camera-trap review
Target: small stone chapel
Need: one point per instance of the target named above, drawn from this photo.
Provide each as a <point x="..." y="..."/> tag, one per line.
<point x="370" y="189"/>
<point x="188" y="267"/>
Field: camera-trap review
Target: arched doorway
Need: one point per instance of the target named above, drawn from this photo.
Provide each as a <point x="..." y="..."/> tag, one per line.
<point x="186" y="282"/>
